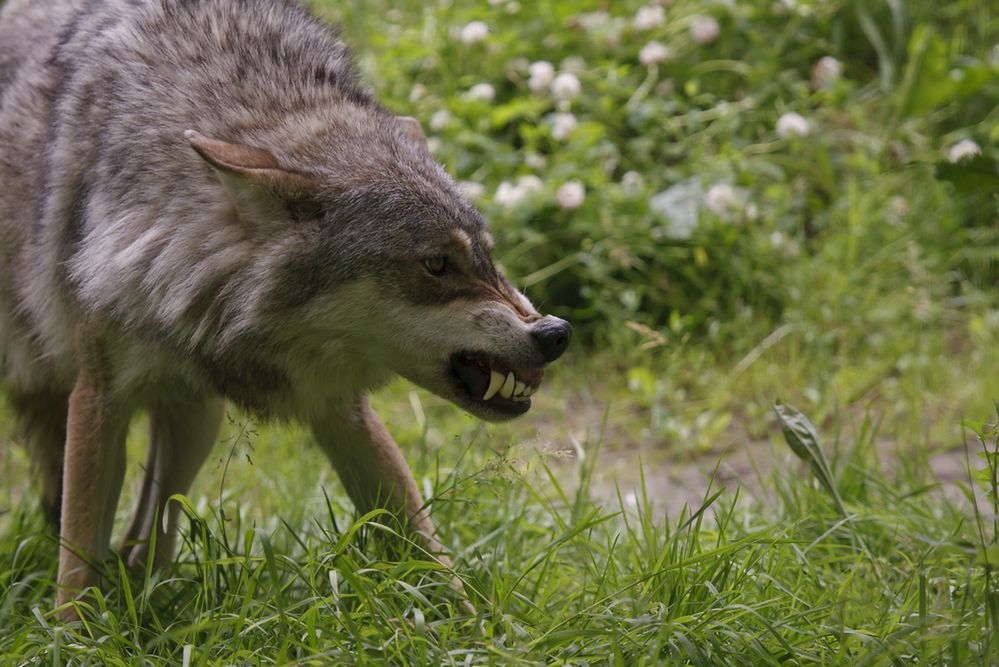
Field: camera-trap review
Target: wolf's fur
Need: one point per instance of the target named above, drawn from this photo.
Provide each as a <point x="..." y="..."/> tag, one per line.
<point x="199" y="201"/>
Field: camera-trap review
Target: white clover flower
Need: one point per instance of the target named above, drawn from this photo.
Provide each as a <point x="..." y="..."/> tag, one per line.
<point x="482" y="92"/>
<point x="512" y="7"/>
<point x="417" y="92"/>
<point x="439" y="120"/>
<point x="509" y="195"/>
<point x="530" y="184"/>
<point x="704" y="29"/>
<point x="653" y="53"/>
<point x="434" y="144"/>
<point x="474" y="32"/>
<point x="540" y="75"/>
<point x="752" y="212"/>
<point x="603" y="25"/>
<point x="613" y="37"/>
<point x="964" y="149"/>
<point x="472" y="189"/>
<point x="570" y="196"/>
<point x="826" y="72"/>
<point x="594" y="21"/>
<point x="565" y="87"/>
<point x="562" y="125"/>
<point x="632" y="182"/>
<point x="792" y="124"/>
<point x="721" y="199"/>
<point x="649" y="17"/>
<point x="535" y="161"/>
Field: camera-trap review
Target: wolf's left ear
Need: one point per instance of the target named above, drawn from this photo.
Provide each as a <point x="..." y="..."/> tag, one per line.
<point x="253" y="178"/>
<point x="411" y="128"/>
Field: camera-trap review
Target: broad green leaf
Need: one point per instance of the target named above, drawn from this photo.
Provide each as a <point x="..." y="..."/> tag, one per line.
<point x="527" y="108"/>
<point x="803" y="439"/>
<point x="933" y="79"/>
<point x="978" y="175"/>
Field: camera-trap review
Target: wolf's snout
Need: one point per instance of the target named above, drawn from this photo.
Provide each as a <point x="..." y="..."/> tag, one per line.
<point x="553" y="336"/>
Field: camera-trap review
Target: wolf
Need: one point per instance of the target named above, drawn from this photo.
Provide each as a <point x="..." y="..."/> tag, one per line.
<point x="201" y="203"/>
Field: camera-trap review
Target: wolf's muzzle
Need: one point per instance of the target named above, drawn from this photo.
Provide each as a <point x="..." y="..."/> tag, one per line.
<point x="552" y="335"/>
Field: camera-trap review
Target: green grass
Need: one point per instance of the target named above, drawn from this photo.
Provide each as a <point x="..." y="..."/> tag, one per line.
<point x="891" y="573"/>
<point x="862" y="289"/>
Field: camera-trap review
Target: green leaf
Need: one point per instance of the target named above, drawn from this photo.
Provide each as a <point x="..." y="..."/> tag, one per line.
<point x="932" y="80"/>
<point x="989" y="555"/>
<point x="803" y="439"/>
<point x="978" y="175"/>
<point x="525" y="108"/>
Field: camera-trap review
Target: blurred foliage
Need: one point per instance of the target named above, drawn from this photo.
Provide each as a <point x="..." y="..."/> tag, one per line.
<point x="775" y="161"/>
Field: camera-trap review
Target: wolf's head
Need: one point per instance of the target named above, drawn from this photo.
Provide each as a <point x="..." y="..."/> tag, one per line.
<point x="367" y="250"/>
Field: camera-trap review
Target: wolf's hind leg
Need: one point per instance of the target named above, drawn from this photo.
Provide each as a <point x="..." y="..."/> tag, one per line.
<point x="41" y="418"/>
<point x="181" y="435"/>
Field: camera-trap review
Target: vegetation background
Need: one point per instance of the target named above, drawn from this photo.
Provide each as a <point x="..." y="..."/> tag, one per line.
<point x="736" y="202"/>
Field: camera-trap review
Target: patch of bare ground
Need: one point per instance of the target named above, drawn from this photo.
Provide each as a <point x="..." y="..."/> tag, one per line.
<point x="677" y="477"/>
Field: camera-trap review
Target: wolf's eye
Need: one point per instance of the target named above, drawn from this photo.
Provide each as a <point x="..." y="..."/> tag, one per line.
<point x="435" y="266"/>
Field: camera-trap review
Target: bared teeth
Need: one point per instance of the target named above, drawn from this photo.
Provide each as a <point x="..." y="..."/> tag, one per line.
<point x="495" y="382"/>
<point x="506" y="391"/>
<point x="506" y="386"/>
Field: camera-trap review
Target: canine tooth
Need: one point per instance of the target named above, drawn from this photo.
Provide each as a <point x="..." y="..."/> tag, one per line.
<point x="506" y="391"/>
<point x="519" y="388"/>
<point x="495" y="382"/>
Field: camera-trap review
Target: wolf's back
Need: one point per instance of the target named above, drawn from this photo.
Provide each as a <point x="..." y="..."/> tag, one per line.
<point x="29" y="33"/>
<point x="104" y="207"/>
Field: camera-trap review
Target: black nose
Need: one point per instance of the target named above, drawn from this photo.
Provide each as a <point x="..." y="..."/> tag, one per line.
<point x="553" y="336"/>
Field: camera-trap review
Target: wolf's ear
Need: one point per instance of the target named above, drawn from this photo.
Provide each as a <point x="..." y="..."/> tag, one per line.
<point x="411" y="128"/>
<point x="258" y="185"/>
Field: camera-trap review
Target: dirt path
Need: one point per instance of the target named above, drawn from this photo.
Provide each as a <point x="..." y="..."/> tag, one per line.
<point x="676" y="478"/>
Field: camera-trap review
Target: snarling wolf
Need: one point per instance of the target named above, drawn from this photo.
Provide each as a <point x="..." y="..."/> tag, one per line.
<point x="200" y="202"/>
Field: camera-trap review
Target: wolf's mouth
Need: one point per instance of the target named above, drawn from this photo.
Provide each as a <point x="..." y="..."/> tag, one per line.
<point x="492" y="383"/>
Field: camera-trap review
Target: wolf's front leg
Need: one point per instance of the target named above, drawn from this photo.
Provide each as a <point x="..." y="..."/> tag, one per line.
<point x="181" y="435"/>
<point x="374" y="471"/>
<point x="93" y="471"/>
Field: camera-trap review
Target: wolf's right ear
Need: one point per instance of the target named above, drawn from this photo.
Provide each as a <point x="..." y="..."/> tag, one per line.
<point x="253" y="178"/>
